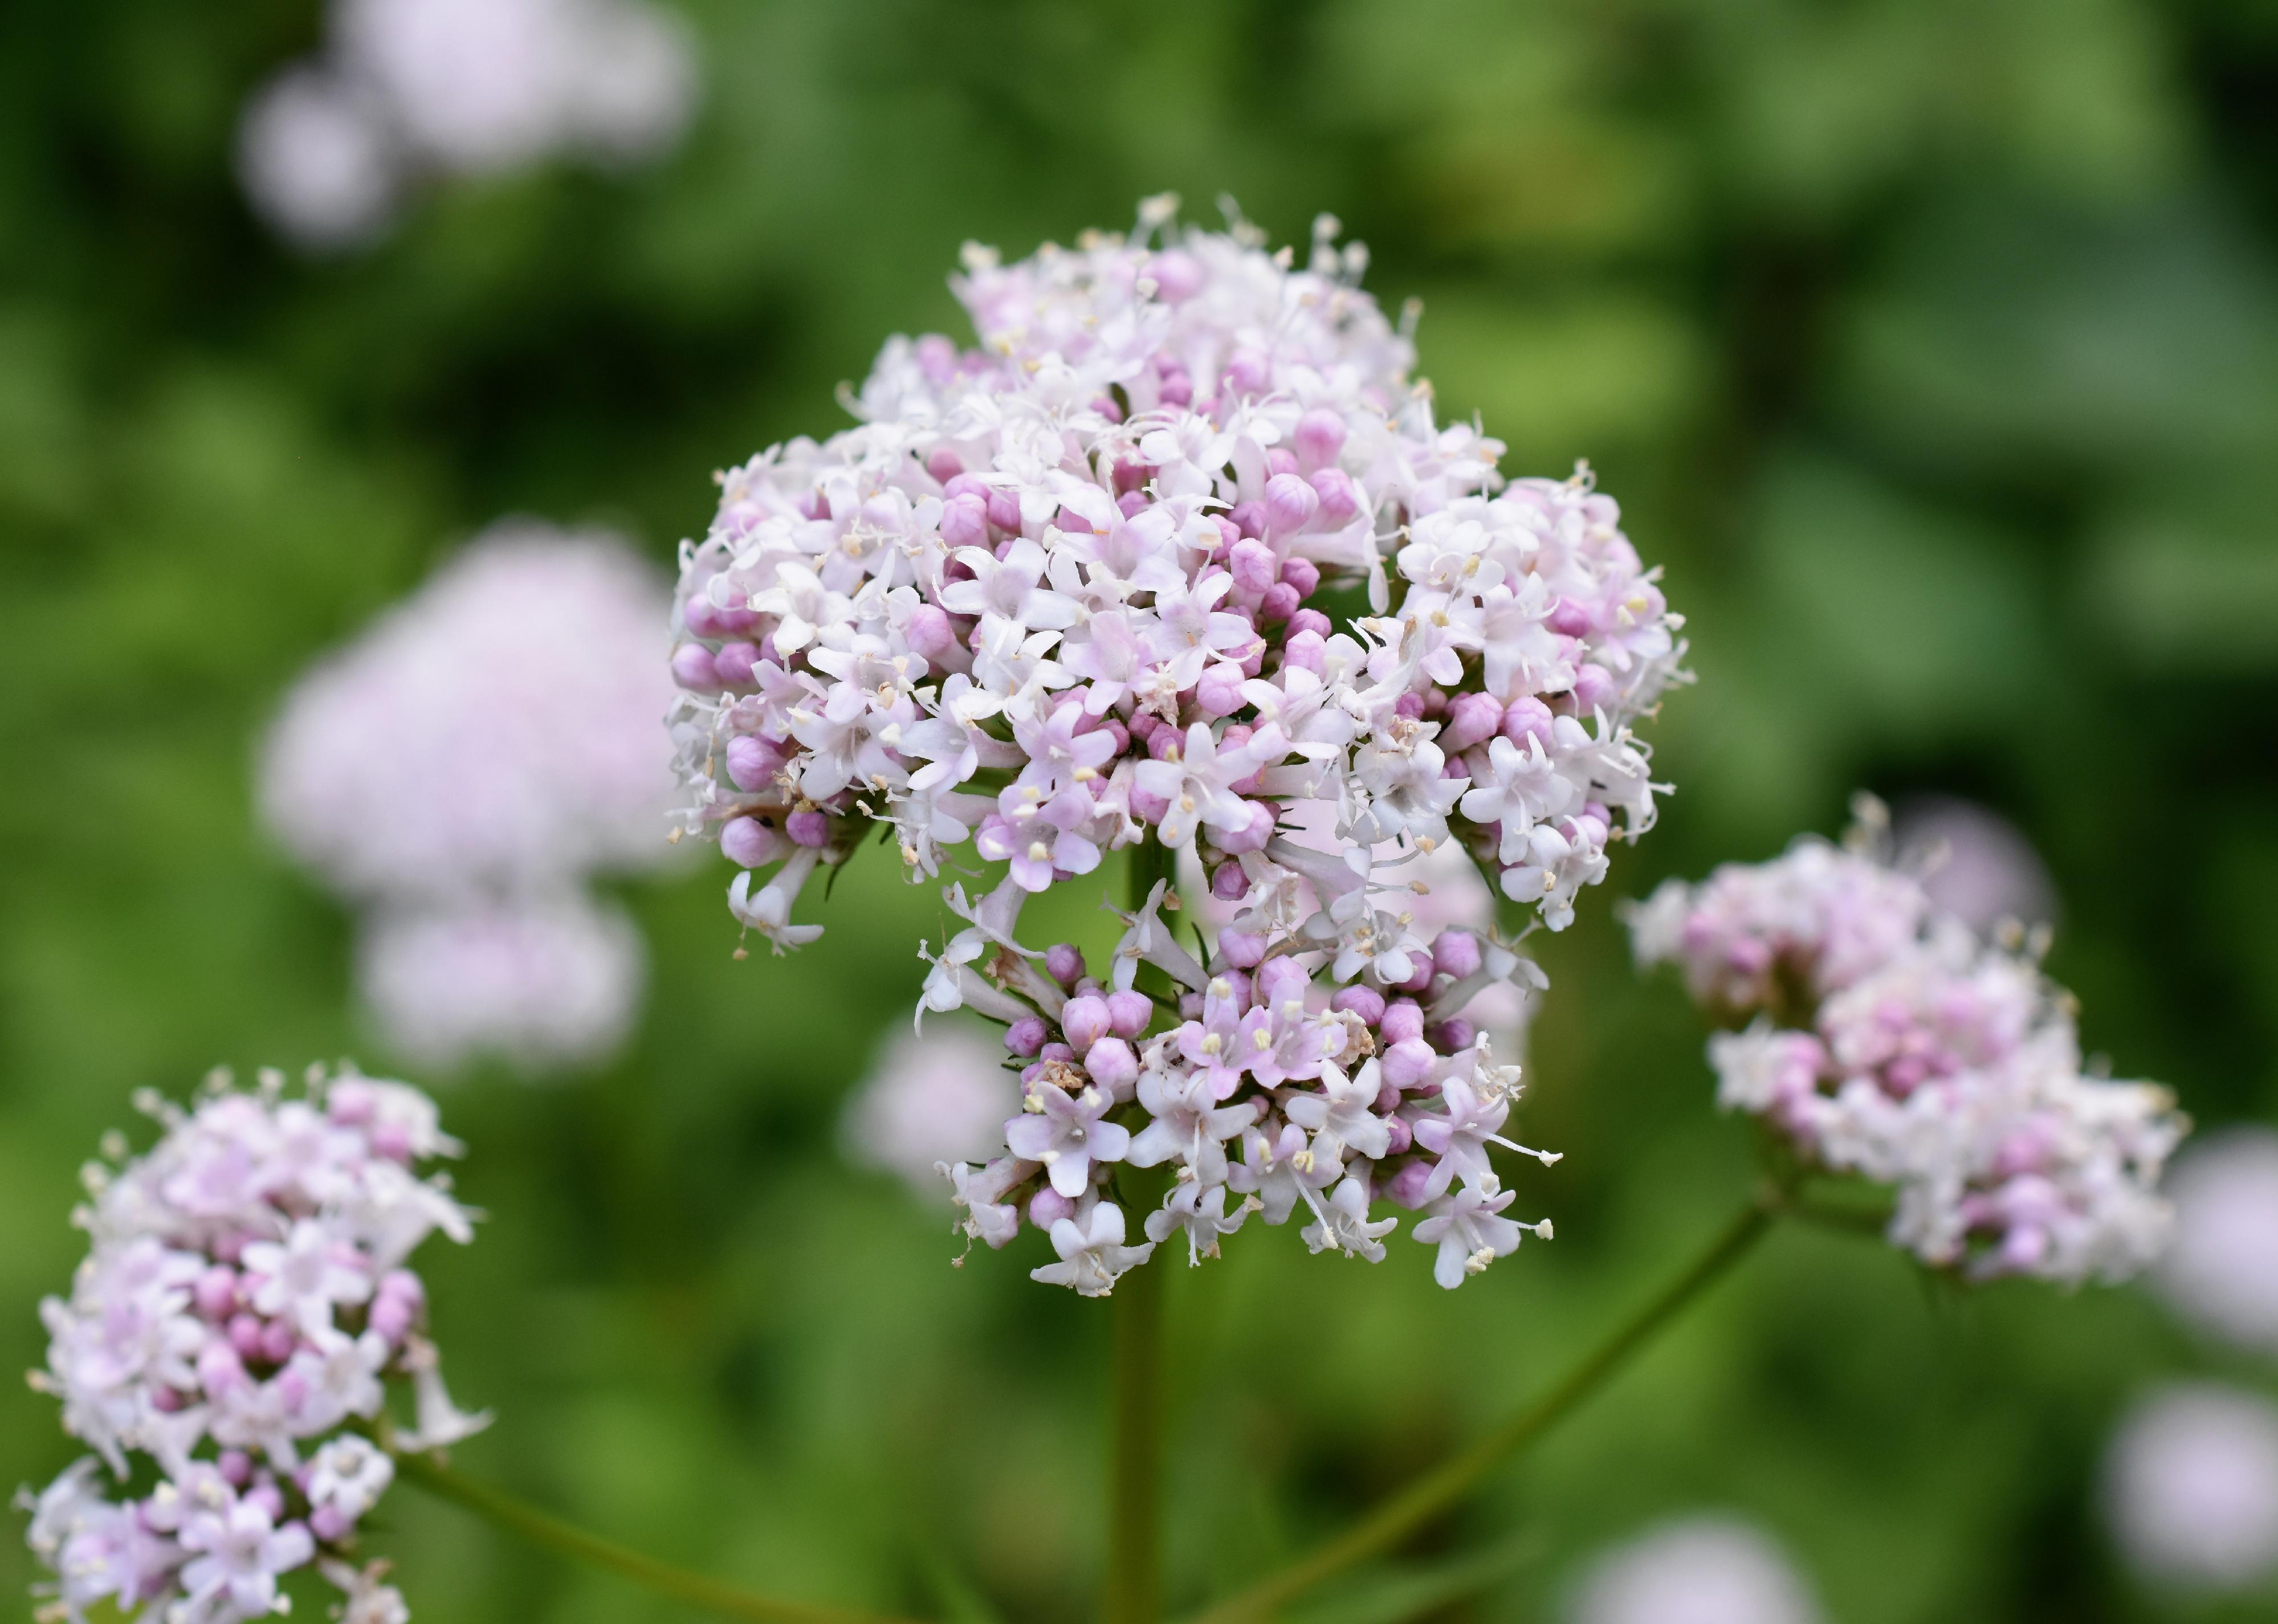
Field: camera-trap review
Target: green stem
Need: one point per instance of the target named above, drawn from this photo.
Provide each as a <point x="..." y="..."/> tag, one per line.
<point x="1406" y="1509"/>
<point x="693" y="1590"/>
<point x="1132" y="1592"/>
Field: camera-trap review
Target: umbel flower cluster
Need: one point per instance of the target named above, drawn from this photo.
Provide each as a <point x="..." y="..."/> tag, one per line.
<point x="463" y="769"/>
<point x="228" y="1345"/>
<point x="1888" y="1040"/>
<point x="1178" y="547"/>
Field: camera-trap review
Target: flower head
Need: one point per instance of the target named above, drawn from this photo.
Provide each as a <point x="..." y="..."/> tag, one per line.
<point x="1888" y="1040"/>
<point x="243" y="1301"/>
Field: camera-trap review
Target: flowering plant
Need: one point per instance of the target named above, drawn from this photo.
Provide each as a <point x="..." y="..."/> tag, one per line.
<point x="1175" y="550"/>
<point x="228" y="1344"/>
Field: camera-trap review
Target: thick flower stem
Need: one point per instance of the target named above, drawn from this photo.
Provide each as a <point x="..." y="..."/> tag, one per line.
<point x="1133" y="1591"/>
<point x="693" y="1590"/>
<point x="1408" y="1508"/>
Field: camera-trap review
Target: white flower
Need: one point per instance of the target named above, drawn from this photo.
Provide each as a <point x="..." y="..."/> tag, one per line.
<point x="2191" y="1485"/>
<point x="2222" y="1272"/>
<point x="940" y="1097"/>
<point x="1701" y="1569"/>
<point x="1093" y="1253"/>
<point x="350" y="1473"/>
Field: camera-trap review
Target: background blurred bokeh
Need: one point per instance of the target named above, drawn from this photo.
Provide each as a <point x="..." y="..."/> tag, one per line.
<point x="1932" y="347"/>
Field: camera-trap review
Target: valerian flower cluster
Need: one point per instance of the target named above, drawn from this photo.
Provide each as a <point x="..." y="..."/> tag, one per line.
<point x="1176" y="548"/>
<point x="1889" y="1040"/>
<point x="228" y="1345"/>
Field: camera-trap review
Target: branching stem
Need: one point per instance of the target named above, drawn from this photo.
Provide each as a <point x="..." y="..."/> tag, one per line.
<point x="1408" y="1508"/>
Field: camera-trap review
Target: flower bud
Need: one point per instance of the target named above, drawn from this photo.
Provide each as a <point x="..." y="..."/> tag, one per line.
<point x="749" y="843"/>
<point x="930" y="632"/>
<point x="1363" y="1002"/>
<point x="1527" y="718"/>
<point x="1242" y="949"/>
<point x="1303" y="576"/>
<point x="1593" y="688"/>
<point x="1112" y="1066"/>
<point x="1409" y="1063"/>
<point x="1456" y="953"/>
<point x="1452" y="1036"/>
<point x="1251" y="836"/>
<point x="1025" y="1037"/>
<point x="1568" y="619"/>
<point x="693" y="668"/>
<point x="752" y="763"/>
<point x="810" y="827"/>
<point x="1319" y="435"/>
<point x="1084" y="1021"/>
<point x="1064" y="963"/>
<point x="942" y="464"/>
<point x="1255" y="567"/>
<point x="734" y="662"/>
<point x="1306" y="649"/>
<point x="1280" y="981"/>
<point x="1403" y="1020"/>
<point x="1048" y="1207"/>
<point x="1280" y="603"/>
<point x="1219" y="693"/>
<point x="1290" y="504"/>
<point x="1128" y="1011"/>
<point x="1471" y="717"/>
<point x="1251" y="371"/>
<point x="1339" y="501"/>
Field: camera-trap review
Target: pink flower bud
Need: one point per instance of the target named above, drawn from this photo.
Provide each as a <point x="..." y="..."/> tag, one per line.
<point x="1318" y="437"/>
<point x="1452" y="1036"/>
<point x="1004" y="510"/>
<point x="1280" y="602"/>
<point x="1281" y="460"/>
<point x="245" y="1336"/>
<point x="265" y="1496"/>
<point x="1165" y="743"/>
<point x="1251" y="836"/>
<point x="1307" y="649"/>
<point x="1456" y="953"/>
<point x="216" y="1291"/>
<point x="752" y="763"/>
<point x="1085" y="1021"/>
<point x="1280" y="981"/>
<point x="1338" y="501"/>
<point x="1251" y="371"/>
<point x="1229" y="884"/>
<point x="236" y="1467"/>
<point x="1363" y="1002"/>
<point x="1255" y="567"/>
<point x="1527" y="718"/>
<point x="809" y="828"/>
<point x="1048" y="1206"/>
<point x="1470" y="719"/>
<point x="1242" y="949"/>
<point x="329" y="1522"/>
<point x="749" y="843"/>
<point x="1128" y="1011"/>
<point x="1419" y="973"/>
<point x="937" y="357"/>
<point x="942" y="464"/>
<point x="1403" y="1020"/>
<point x="929" y="631"/>
<point x="1177" y="276"/>
<point x="1411" y="707"/>
<point x="1025" y="1037"/>
<point x="1219" y="693"/>
<point x="1247" y="519"/>
<point x="1400" y="1136"/>
<point x="1131" y="504"/>
<point x="734" y="662"/>
<point x="1593" y="688"/>
<point x="1290" y="504"/>
<point x="1149" y="807"/>
<point x="1178" y="389"/>
<point x="1303" y="576"/>
<point x="693" y="668"/>
<point x="1409" y="1063"/>
<point x="1407" y="1186"/>
<point x="220" y="1366"/>
<point x="277" y="1340"/>
<point x="1568" y="619"/>
<point x="1064" y="963"/>
<point x="1112" y="1066"/>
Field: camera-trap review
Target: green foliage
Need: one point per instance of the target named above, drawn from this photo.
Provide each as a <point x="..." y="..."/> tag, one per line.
<point x="1931" y="345"/>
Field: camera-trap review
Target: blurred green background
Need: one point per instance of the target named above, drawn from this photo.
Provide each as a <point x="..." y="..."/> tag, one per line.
<point x="1932" y="347"/>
